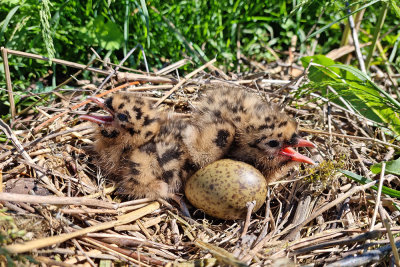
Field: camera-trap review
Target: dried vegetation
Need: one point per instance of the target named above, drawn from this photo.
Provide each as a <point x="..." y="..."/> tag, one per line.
<point x="69" y="216"/>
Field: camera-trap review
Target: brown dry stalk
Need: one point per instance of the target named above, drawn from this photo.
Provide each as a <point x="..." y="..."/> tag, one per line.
<point x="54" y="200"/>
<point x="51" y="240"/>
<point x="4" y="52"/>
<point x="38" y="128"/>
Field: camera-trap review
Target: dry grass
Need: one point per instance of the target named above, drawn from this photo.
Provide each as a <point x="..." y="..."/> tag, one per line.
<point x="70" y="216"/>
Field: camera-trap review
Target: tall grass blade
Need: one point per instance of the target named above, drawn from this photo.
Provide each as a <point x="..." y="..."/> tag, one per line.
<point x="6" y="21"/>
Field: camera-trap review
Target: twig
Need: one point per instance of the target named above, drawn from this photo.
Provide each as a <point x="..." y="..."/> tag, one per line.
<point x="172" y="67"/>
<point x="57" y="61"/>
<point x="250" y="206"/>
<point x="355" y="41"/>
<point x="389" y="233"/>
<point x="378" y="197"/>
<point x="13" y="197"/>
<point x="4" y="52"/>
<point x="187" y="77"/>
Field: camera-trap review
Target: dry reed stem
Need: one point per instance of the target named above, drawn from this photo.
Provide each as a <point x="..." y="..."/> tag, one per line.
<point x="53" y="200"/>
<point x="4" y="52"/>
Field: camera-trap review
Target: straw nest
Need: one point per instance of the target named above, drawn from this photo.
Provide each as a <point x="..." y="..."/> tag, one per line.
<point x="68" y="214"/>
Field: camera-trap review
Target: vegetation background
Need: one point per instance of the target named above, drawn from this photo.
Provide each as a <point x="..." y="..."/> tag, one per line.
<point x="171" y="30"/>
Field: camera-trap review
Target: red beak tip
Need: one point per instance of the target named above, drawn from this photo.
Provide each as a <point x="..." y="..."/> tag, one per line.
<point x="295" y="156"/>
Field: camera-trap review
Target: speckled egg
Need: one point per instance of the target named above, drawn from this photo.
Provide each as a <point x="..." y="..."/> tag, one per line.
<point x="223" y="188"/>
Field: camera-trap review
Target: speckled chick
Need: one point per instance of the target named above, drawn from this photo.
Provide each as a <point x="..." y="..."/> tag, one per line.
<point x="132" y="122"/>
<point x="141" y="148"/>
<point x="239" y="125"/>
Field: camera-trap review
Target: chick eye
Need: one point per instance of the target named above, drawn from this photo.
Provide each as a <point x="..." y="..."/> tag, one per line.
<point x="273" y="143"/>
<point x="122" y="117"/>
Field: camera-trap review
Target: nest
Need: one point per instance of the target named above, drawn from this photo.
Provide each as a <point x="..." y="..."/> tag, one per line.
<point x="59" y="210"/>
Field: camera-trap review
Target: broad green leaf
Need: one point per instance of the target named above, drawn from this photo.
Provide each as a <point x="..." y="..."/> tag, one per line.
<point x="356" y="89"/>
<point x="362" y="180"/>
<point x="108" y="34"/>
<point x="392" y="167"/>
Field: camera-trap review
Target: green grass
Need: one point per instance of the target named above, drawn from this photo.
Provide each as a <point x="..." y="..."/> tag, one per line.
<point x="171" y="30"/>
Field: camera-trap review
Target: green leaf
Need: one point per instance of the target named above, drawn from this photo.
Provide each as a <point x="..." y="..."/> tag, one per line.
<point x="362" y="180"/>
<point x="108" y="34"/>
<point x="395" y="8"/>
<point x="6" y="21"/>
<point x="392" y="167"/>
<point x="354" y="87"/>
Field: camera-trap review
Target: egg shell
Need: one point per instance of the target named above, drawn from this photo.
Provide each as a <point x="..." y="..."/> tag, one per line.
<point x="223" y="188"/>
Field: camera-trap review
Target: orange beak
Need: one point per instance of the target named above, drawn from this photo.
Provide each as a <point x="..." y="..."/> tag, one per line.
<point x="99" y="119"/>
<point x="296" y="156"/>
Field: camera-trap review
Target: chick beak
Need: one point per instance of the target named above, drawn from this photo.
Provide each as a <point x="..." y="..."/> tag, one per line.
<point x="294" y="155"/>
<point x="99" y="119"/>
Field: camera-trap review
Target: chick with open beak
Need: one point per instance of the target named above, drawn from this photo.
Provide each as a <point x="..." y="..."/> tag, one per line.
<point x="131" y="123"/>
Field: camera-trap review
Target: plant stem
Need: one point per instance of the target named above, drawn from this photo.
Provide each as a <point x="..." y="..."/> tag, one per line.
<point x="355" y="41"/>
<point x="377" y="32"/>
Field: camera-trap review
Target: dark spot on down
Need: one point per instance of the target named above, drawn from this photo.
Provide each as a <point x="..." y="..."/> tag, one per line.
<point x="222" y="138"/>
<point x="126" y="149"/>
<point x="189" y="166"/>
<point x="237" y="119"/>
<point x="282" y="124"/>
<point x="108" y="103"/>
<point x="132" y="131"/>
<point x="139" y="112"/>
<point x="170" y="154"/>
<point x="148" y="121"/>
<point x="217" y="113"/>
<point x="148" y="148"/>
<point x="121" y="106"/>
<point x="139" y="101"/>
<point x="167" y="176"/>
<point x="126" y="98"/>
<point x="263" y="127"/>
<point x="112" y="134"/>
<point x="133" y="167"/>
<point x="148" y="134"/>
